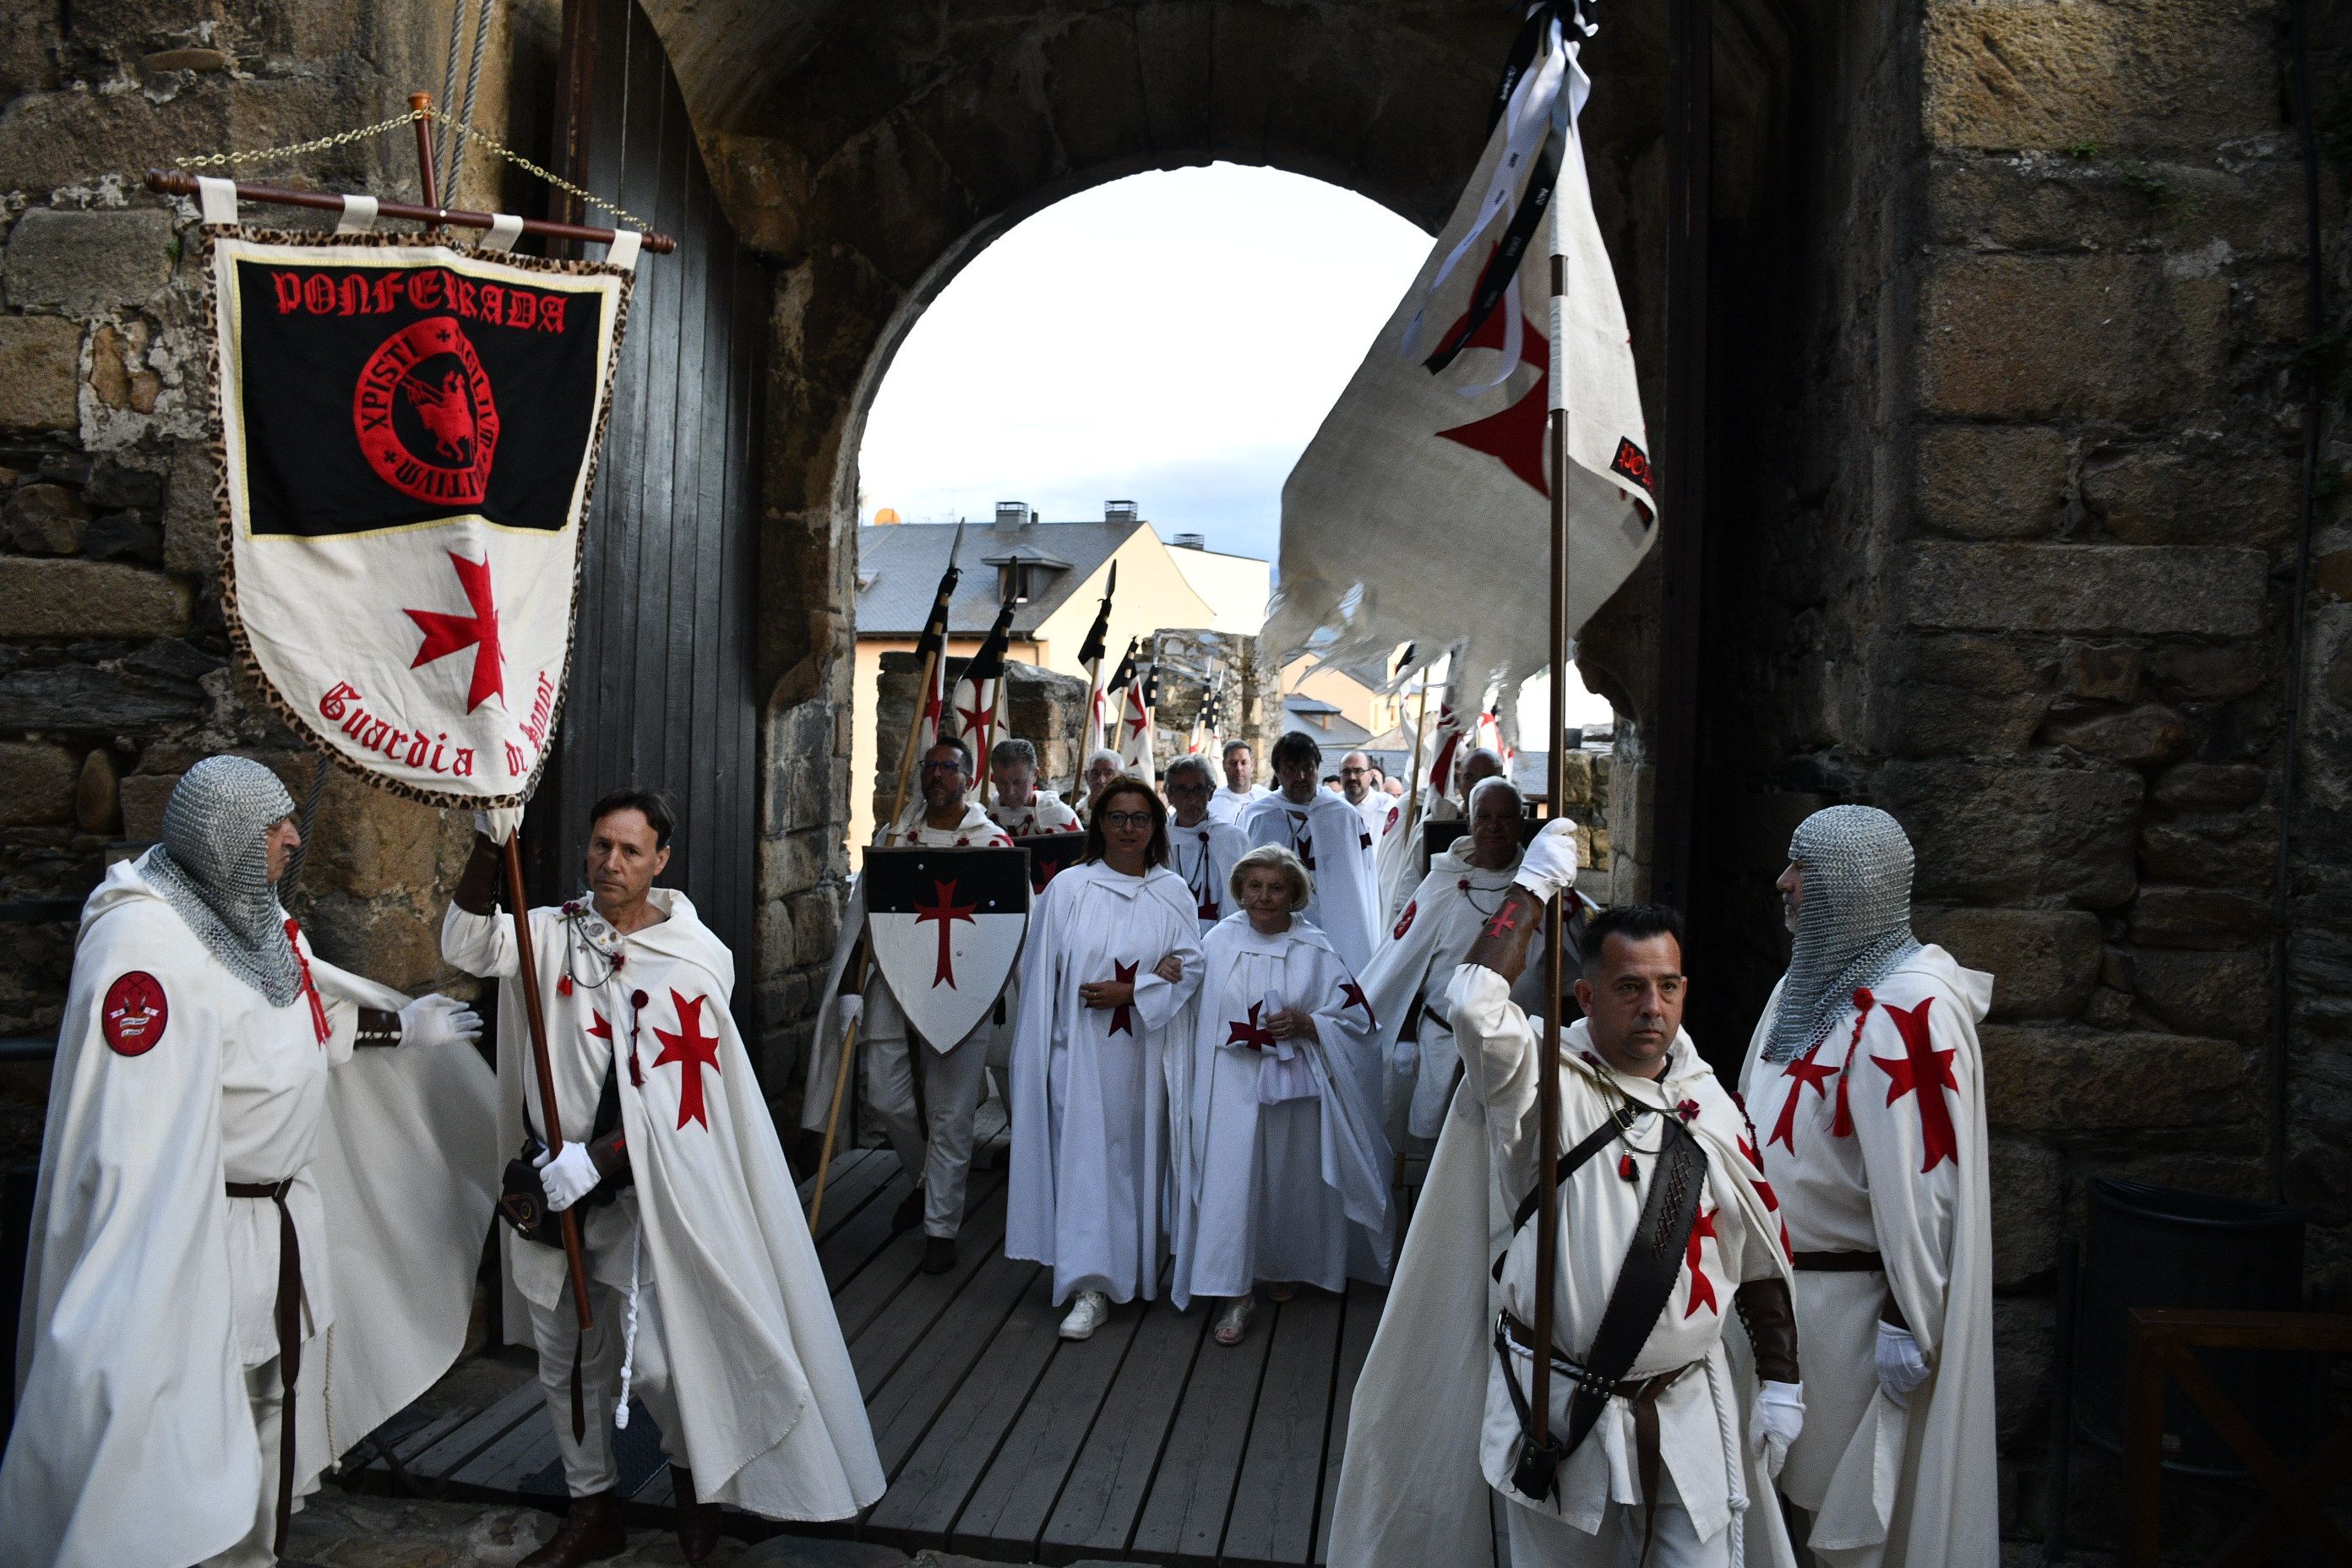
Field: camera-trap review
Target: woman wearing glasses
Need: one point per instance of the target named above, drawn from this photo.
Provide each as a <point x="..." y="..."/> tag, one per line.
<point x="1107" y="982"/>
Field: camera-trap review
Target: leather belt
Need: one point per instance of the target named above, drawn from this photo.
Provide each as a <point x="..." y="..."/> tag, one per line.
<point x="289" y="1315"/>
<point x="1642" y="1392"/>
<point x="1838" y="1262"/>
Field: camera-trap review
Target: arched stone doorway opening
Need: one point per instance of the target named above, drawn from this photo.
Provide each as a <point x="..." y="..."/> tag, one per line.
<point x="873" y="150"/>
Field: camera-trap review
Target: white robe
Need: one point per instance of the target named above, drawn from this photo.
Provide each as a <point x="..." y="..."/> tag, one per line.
<point x="1090" y="1085"/>
<point x="1046" y="813"/>
<point x="1329" y="836"/>
<point x="1271" y="1191"/>
<point x="761" y="1378"/>
<point x="1382" y="813"/>
<point x="1431" y="1433"/>
<point x="1204" y="855"/>
<point x="1431" y="936"/>
<point x="1228" y="804"/>
<point x="148" y="1292"/>
<point x="1908" y="1181"/>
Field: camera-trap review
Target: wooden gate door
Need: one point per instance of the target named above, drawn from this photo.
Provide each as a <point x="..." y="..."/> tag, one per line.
<point x="661" y="693"/>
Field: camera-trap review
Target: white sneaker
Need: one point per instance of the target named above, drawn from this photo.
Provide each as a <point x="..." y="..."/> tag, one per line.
<point x="1087" y="1313"/>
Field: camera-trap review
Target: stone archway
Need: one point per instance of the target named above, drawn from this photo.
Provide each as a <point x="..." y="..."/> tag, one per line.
<point x="873" y="152"/>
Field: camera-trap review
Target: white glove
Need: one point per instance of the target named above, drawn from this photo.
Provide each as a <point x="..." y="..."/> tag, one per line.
<point x="499" y="825"/>
<point x="1405" y="1058"/>
<point x="1549" y="868"/>
<point x="1901" y="1367"/>
<point x="439" y="1020"/>
<point x="848" y="1011"/>
<point x="569" y="1177"/>
<point x="1779" y="1416"/>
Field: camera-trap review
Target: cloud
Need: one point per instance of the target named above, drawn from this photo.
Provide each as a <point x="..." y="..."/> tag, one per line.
<point x="1173" y="338"/>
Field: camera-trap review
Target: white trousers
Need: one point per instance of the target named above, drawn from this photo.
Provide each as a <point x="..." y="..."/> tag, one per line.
<point x="952" y="1082"/>
<point x="588" y="1464"/>
<point x="1540" y="1540"/>
<point x="266" y="1394"/>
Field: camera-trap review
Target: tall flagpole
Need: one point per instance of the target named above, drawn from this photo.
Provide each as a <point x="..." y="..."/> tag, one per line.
<point x="1556" y="916"/>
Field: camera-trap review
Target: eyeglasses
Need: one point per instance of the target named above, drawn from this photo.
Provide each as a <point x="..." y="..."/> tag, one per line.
<point x="943" y="767"/>
<point x="1125" y="819"/>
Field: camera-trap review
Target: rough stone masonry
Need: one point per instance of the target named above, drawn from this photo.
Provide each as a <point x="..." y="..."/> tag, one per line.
<point x="2009" y="370"/>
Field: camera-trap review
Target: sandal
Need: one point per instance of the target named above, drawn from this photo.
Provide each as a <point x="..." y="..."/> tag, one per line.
<point x="1282" y="1292"/>
<point x="1233" y="1320"/>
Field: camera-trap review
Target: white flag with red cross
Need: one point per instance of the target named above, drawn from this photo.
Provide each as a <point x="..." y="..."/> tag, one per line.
<point x="408" y="438"/>
<point x="1421" y="508"/>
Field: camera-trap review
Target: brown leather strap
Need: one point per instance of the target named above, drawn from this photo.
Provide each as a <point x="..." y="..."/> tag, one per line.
<point x="1838" y="1262"/>
<point x="1646" y="1463"/>
<point x="289" y="1315"/>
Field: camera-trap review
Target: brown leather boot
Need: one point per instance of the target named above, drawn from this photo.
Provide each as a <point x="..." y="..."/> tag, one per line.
<point x="590" y="1533"/>
<point x="697" y="1521"/>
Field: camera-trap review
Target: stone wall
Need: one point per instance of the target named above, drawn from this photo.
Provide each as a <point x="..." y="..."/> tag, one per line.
<point x="114" y="672"/>
<point x="2030" y="589"/>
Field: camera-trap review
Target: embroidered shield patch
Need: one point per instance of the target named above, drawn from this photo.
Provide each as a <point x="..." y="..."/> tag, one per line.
<point x="134" y="1014"/>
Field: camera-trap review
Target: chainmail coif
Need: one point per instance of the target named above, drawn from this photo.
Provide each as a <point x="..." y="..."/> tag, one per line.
<point x="212" y="868"/>
<point x="1854" y="926"/>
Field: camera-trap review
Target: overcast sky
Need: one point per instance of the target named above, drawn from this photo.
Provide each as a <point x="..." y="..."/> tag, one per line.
<point x="1172" y="339"/>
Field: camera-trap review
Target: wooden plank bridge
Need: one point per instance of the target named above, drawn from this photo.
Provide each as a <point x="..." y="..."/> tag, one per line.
<point x="1148" y="1442"/>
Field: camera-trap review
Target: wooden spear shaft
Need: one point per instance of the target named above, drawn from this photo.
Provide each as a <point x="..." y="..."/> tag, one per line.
<point x="1420" y="722"/>
<point x="1556" y="916"/>
<point x="535" y="1011"/>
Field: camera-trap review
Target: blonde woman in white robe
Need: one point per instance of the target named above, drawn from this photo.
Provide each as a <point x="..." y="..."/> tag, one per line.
<point x="1280" y="1174"/>
<point x="1113" y="960"/>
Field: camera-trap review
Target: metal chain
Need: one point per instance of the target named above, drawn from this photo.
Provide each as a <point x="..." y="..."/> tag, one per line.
<point x="224" y="160"/>
<point x="342" y="138"/>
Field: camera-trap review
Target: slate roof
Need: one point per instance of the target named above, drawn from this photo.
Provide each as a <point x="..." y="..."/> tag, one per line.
<point x="898" y="567"/>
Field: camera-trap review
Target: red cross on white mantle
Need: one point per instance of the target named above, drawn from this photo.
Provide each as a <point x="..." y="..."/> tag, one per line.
<point x="1253" y="1033"/>
<point x="1702" y="1291"/>
<point x="1122" y="1017"/>
<point x="1801" y="1073"/>
<point x="1928" y="1071"/>
<point x="692" y="1050"/>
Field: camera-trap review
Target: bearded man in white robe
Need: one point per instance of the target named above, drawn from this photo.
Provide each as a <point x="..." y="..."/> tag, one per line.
<point x="1329" y="838"/>
<point x="1107" y="979"/>
<point x="1241" y="789"/>
<point x="934" y="1145"/>
<point x="1866" y="1079"/>
<point x="1201" y="849"/>
<point x="1020" y="809"/>
<point x="707" y="1298"/>
<point x="209" y="1233"/>
<point x="1657" y="1445"/>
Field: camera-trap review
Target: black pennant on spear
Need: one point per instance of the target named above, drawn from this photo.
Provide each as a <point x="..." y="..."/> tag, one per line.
<point x="985" y="674"/>
<point x="1090" y="654"/>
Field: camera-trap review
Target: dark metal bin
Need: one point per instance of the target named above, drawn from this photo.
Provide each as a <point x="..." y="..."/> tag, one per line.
<point x="2146" y="1246"/>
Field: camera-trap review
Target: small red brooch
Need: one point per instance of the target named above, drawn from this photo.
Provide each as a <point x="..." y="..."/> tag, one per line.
<point x="563" y="986"/>
<point x="1686" y="1109"/>
<point x="1627" y="1169"/>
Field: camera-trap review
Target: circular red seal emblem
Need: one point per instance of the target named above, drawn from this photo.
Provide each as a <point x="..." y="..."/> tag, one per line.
<point x="134" y="1014"/>
<point x="425" y="416"/>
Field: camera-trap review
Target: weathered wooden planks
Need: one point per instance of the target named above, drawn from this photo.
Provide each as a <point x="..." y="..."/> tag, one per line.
<point x="1107" y="1488"/>
<point x="1364" y="1303"/>
<point x="1273" y="1508"/>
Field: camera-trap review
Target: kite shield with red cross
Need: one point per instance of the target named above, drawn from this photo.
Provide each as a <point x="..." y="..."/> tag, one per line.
<point x="946" y="926"/>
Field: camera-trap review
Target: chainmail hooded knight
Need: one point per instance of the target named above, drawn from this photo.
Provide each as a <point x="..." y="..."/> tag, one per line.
<point x="1855" y="925"/>
<point x="212" y="868"/>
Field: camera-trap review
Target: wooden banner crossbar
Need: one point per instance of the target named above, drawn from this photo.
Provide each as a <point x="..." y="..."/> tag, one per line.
<point x="172" y="183"/>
